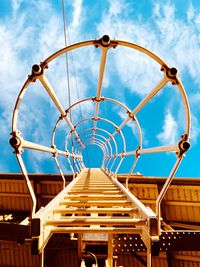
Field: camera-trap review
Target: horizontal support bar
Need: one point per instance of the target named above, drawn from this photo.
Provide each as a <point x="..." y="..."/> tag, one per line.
<point x="170" y="148"/>
<point x="105" y="230"/>
<point x="96" y="210"/>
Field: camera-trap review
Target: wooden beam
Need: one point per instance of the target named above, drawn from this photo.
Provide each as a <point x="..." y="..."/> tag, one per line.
<point x="183" y="203"/>
<point x="185" y="225"/>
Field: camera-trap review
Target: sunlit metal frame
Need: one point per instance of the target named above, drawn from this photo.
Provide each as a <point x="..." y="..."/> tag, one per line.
<point x="105" y="43"/>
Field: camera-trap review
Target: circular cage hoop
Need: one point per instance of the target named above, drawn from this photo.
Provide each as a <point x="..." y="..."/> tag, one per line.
<point x="107" y="138"/>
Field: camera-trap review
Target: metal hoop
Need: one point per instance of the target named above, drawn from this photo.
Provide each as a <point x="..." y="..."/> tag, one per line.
<point x="38" y="73"/>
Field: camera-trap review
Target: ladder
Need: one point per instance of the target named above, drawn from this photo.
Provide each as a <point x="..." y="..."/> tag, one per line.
<point x="95" y="206"/>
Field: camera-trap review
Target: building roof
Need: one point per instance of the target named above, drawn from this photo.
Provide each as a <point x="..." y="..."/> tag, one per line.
<point x="180" y="210"/>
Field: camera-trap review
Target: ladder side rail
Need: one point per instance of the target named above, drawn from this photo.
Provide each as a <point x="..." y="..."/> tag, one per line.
<point x="44" y="212"/>
<point x="39" y="231"/>
<point x="147" y="213"/>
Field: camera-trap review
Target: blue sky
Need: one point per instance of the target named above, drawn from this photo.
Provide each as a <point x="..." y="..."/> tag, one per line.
<point x="32" y="30"/>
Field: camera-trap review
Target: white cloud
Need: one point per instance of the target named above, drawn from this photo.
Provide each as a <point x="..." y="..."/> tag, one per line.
<point x="174" y="39"/>
<point x="130" y="123"/>
<point x="195" y="129"/>
<point x="190" y="12"/>
<point x="33" y="33"/>
<point x="168" y="36"/>
<point x="16" y="5"/>
<point x="24" y="42"/>
<point x="77" y="14"/>
<point x="134" y="128"/>
<point x="169" y="130"/>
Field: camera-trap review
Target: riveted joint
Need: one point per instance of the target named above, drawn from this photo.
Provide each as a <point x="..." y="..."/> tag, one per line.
<point x="123" y="154"/>
<point x="171" y="74"/>
<point x="105" y="41"/>
<point x="95" y="119"/>
<point x="37" y="71"/>
<point x="183" y="145"/>
<point x="77" y="137"/>
<point x="16" y="142"/>
<point x="117" y="130"/>
<point x="72" y="131"/>
<point x="54" y="153"/>
<point x="137" y="152"/>
<point x="66" y="112"/>
<point x="61" y="117"/>
<point x="131" y="116"/>
<point x="67" y="155"/>
<point x="44" y="65"/>
<point x="101" y="99"/>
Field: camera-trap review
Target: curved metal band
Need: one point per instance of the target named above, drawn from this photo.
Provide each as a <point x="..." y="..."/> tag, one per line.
<point x="104" y="131"/>
<point x="101" y="99"/>
<point x="95" y="42"/>
<point x="99" y="143"/>
<point x="91" y="137"/>
<point x="108" y="121"/>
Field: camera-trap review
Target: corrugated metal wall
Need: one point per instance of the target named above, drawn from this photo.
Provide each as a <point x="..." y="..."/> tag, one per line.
<point x="12" y="254"/>
<point x="14" y="195"/>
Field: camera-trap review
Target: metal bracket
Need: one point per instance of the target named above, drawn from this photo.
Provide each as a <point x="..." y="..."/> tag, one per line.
<point x="131" y="116"/>
<point x="16" y="142"/>
<point x="105" y="41"/>
<point x="37" y="71"/>
<point x="171" y="74"/>
<point x="183" y="145"/>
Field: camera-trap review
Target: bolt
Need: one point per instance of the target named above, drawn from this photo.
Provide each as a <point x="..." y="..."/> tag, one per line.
<point x="15" y="142"/>
<point x="105" y="40"/>
<point x="36" y="69"/>
<point x="171" y="73"/>
<point x="185" y="145"/>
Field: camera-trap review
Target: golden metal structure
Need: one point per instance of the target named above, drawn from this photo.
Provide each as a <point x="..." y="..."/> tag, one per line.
<point x="95" y="202"/>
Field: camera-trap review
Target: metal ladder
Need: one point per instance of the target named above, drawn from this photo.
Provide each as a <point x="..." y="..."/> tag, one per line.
<point x="95" y="206"/>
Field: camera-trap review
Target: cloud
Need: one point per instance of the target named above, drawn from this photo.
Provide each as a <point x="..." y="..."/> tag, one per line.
<point x="175" y="39"/>
<point x="169" y="130"/>
<point x="26" y="40"/>
<point x="134" y="128"/>
<point x="195" y="129"/>
<point x="168" y="36"/>
<point x="32" y="32"/>
<point x="77" y="14"/>
<point x="16" y="5"/>
<point x="194" y="100"/>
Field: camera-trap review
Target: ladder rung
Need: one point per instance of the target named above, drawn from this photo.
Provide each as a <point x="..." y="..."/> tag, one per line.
<point x="96" y="210"/>
<point x="107" y="183"/>
<point x="95" y="191"/>
<point x="96" y="221"/>
<point x="99" y="203"/>
<point x="105" y="230"/>
<point x="94" y="197"/>
<point x="101" y="218"/>
<point x="88" y="187"/>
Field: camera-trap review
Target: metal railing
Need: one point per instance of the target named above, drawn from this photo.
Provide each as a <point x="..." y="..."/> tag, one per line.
<point x="99" y="135"/>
